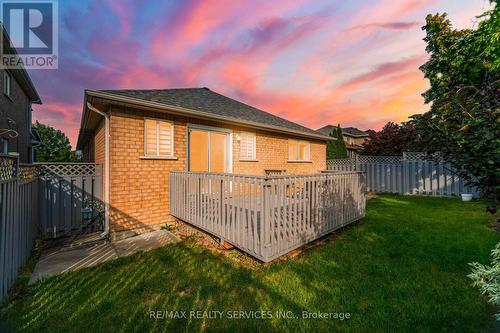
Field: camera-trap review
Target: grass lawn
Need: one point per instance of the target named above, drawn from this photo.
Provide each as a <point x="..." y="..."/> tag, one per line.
<point x="401" y="269"/>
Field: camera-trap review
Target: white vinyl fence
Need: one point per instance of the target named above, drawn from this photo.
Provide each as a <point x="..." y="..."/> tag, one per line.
<point x="407" y="174"/>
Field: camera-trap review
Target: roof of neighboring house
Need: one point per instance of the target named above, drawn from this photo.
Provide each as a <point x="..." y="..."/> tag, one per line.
<point x="20" y="74"/>
<point x="203" y="103"/>
<point x="349" y="131"/>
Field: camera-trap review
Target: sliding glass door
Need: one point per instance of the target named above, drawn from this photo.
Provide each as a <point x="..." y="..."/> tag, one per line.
<point x="208" y="150"/>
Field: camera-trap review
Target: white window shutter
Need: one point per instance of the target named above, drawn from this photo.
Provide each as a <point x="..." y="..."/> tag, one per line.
<point x="248" y="149"/>
<point x="165" y="139"/>
<point x="150" y="140"/>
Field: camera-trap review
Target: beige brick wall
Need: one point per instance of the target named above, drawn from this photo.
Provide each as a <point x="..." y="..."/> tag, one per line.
<point x="99" y="144"/>
<point x="139" y="187"/>
<point x="272" y="153"/>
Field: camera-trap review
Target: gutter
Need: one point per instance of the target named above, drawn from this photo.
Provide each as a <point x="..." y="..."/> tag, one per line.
<point x="204" y="115"/>
<point x="106" y="168"/>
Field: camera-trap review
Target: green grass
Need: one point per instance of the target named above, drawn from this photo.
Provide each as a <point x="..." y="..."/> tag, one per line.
<point x="401" y="269"/>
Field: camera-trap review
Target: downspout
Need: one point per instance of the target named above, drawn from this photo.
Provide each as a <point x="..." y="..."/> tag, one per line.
<point x="106" y="167"/>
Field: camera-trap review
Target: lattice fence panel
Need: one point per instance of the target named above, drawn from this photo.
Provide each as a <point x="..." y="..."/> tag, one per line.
<point x="27" y="171"/>
<point x="378" y="159"/>
<point x="343" y="164"/>
<point x="7" y="167"/>
<point x="419" y="156"/>
<point x="69" y="169"/>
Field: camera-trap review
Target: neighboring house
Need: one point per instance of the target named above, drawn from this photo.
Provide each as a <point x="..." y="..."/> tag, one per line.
<point x="154" y="132"/>
<point x="18" y="94"/>
<point x="353" y="137"/>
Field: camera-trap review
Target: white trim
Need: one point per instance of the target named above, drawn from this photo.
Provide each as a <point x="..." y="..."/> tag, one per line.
<point x="158" y="158"/>
<point x="230" y="152"/>
<point x="106" y="167"/>
<point x="209" y="128"/>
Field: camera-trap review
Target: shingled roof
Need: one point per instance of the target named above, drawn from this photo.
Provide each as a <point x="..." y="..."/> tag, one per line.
<point x="209" y="102"/>
<point x="350" y="131"/>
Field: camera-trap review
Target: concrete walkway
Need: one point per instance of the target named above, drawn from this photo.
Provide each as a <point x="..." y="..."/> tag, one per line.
<point x="69" y="257"/>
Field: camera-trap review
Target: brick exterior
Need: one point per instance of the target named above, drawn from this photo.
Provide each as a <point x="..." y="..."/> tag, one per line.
<point x="272" y="153"/>
<point x="17" y="108"/>
<point x="139" y="188"/>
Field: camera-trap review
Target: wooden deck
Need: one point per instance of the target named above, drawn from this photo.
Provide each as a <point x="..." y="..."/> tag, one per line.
<point x="267" y="216"/>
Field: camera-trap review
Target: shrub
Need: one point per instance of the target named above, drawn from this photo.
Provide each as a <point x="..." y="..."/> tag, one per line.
<point x="487" y="278"/>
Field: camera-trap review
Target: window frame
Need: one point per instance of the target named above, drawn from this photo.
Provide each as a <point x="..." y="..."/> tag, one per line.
<point x="298" y="142"/>
<point x="254" y="157"/>
<point x="157" y="155"/>
<point x="4" y="146"/>
<point x="7" y="84"/>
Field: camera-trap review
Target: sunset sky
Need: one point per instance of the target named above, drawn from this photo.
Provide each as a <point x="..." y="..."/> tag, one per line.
<point x="313" y="62"/>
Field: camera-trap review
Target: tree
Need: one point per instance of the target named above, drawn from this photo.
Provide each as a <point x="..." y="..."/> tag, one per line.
<point x="336" y="149"/>
<point x="393" y="139"/>
<point x="464" y="75"/>
<point x="55" y="145"/>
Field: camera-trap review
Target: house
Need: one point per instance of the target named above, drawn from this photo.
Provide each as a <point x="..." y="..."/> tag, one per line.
<point x="18" y="94"/>
<point x="154" y="132"/>
<point x="353" y="137"/>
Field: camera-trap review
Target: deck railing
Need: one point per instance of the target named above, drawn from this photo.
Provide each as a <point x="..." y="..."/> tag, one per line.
<point x="267" y="216"/>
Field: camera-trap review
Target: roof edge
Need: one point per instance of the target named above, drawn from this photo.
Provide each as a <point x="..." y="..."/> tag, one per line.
<point x="196" y="114"/>
<point x="345" y="133"/>
<point x="31" y="92"/>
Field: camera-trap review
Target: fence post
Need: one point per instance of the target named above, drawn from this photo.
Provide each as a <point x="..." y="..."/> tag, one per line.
<point x="404" y="173"/>
<point x="15" y="167"/>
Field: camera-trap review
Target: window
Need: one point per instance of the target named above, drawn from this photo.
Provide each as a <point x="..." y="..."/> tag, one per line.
<point x="7" y="83"/>
<point x="248" y="145"/>
<point x="4" y="146"/>
<point x="158" y="138"/>
<point x="299" y="150"/>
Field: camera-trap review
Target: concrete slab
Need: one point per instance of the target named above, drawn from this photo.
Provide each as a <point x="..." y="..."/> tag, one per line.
<point x="70" y="258"/>
<point x="144" y="242"/>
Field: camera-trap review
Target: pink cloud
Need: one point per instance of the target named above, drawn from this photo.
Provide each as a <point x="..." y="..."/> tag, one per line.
<point x="388" y="25"/>
<point x="312" y="63"/>
<point x="384" y="69"/>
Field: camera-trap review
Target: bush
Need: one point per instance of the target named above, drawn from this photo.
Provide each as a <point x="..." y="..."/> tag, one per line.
<point x="487" y="278"/>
